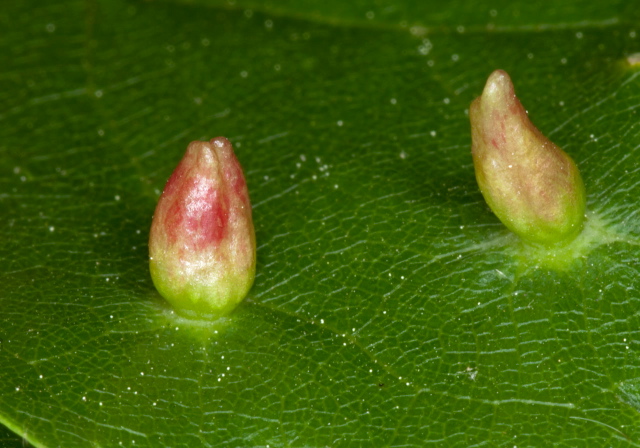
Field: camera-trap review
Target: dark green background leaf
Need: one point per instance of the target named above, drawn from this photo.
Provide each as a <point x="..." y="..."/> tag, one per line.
<point x="389" y="308"/>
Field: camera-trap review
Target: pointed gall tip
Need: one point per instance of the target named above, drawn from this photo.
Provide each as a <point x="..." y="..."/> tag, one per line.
<point x="498" y="81"/>
<point x="220" y="142"/>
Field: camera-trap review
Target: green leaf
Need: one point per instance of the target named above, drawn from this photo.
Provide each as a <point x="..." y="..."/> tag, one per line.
<point x="390" y="307"/>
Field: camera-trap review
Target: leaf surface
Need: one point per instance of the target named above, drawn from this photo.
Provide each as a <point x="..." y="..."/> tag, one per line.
<point x="390" y="308"/>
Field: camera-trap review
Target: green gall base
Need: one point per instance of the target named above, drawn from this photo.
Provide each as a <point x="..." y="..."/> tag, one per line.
<point x="564" y="256"/>
<point x="206" y="300"/>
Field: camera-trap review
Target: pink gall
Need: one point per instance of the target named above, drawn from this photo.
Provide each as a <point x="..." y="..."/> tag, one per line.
<point x="531" y="185"/>
<point x="202" y="248"/>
